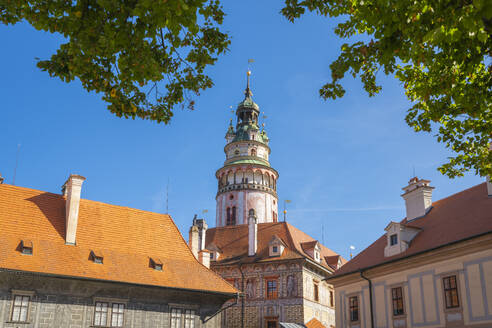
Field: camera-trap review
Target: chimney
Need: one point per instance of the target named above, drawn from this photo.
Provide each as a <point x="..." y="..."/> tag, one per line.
<point x="71" y="190"/>
<point x="1" y="178"/>
<point x="418" y="198"/>
<point x="204" y="257"/>
<point x="193" y="240"/>
<point x="202" y="230"/>
<point x="252" y="233"/>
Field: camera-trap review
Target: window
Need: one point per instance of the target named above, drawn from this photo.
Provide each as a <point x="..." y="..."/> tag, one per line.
<point x="156" y="264"/>
<point x="189" y="319"/>
<point x="106" y="310"/>
<point x="26" y="247"/>
<point x="271" y="323"/>
<point x="233" y="219"/>
<point x="451" y="298"/>
<point x="397" y="297"/>
<point x="316" y="291"/>
<point x="97" y="257"/>
<point x="274" y="215"/>
<point x="393" y="239"/>
<point x="176" y="318"/>
<point x="332" y="299"/>
<point x="253" y="152"/>
<point x="182" y="318"/>
<point x="228" y="222"/>
<point x="20" y="308"/>
<point x="101" y="314"/>
<point x="275" y="249"/>
<point x="117" y="315"/>
<point x="354" y="308"/>
<point x="271" y="288"/>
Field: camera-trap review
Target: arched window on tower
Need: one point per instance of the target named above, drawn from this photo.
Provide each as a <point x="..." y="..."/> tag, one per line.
<point x="233" y="219"/>
<point x="253" y="152"/>
<point x="228" y="221"/>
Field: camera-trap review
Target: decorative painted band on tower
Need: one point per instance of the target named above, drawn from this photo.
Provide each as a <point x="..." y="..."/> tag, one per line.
<point x="246" y="181"/>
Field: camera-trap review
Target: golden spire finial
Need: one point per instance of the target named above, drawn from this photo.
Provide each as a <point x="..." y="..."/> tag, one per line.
<point x="248" y="92"/>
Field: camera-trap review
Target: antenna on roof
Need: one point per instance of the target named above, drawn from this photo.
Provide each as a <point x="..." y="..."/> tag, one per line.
<point x="323" y="233"/>
<point x="167" y="196"/>
<point x="16" y="163"/>
<point x="351" y="249"/>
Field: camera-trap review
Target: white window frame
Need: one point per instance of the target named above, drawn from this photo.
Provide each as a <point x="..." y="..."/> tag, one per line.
<point x="22" y="294"/>
<point x="184" y="314"/>
<point x="111" y="302"/>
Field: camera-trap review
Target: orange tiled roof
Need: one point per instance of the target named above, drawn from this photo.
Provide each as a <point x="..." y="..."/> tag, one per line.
<point x="457" y="217"/>
<point x="314" y="323"/>
<point x="233" y="243"/>
<point x="126" y="237"/>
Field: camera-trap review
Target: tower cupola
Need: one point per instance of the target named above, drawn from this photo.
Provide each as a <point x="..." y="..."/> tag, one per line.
<point x="246" y="181"/>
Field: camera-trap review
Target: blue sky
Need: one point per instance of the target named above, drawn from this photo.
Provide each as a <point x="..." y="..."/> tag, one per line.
<point x="342" y="163"/>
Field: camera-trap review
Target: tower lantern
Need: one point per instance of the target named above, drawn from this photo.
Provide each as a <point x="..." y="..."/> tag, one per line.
<point x="246" y="181"/>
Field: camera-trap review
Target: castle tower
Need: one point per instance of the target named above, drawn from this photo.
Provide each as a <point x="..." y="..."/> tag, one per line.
<point x="246" y="181"/>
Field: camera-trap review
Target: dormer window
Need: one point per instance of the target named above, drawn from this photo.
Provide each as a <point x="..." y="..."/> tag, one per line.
<point x="393" y="239"/>
<point x="97" y="257"/>
<point x="276" y="246"/>
<point x="26" y="247"/>
<point x="156" y="264"/>
<point x="316" y="255"/>
<point x="399" y="236"/>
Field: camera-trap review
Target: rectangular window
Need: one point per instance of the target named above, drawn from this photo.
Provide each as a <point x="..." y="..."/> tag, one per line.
<point x="189" y="319"/>
<point x="393" y="239"/>
<point x="271" y="324"/>
<point x="451" y="292"/>
<point x="101" y="314"/>
<point x="176" y="318"/>
<point x="117" y="315"/>
<point x="354" y="308"/>
<point x="397" y="298"/>
<point x="271" y="289"/>
<point x="274" y="249"/>
<point x="332" y="299"/>
<point x="20" y="308"/>
<point x="316" y="291"/>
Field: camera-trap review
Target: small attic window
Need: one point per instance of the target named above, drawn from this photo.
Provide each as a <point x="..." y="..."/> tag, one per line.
<point x="316" y="255"/>
<point x="393" y="239"/>
<point x="26" y="247"/>
<point x="275" y="249"/>
<point x="156" y="264"/>
<point x="97" y="257"/>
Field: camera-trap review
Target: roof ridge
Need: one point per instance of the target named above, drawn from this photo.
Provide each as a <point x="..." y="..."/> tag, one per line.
<point x="459" y="192"/>
<point x="55" y="195"/>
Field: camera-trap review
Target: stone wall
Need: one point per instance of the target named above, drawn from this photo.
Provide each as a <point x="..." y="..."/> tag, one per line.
<point x="63" y="302"/>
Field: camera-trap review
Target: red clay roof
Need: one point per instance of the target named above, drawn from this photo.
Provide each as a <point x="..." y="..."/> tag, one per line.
<point x="233" y="243"/>
<point x="127" y="238"/>
<point x="457" y="217"/>
<point x="314" y="323"/>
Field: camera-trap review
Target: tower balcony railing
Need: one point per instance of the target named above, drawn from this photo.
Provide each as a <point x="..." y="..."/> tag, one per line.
<point x="250" y="186"/>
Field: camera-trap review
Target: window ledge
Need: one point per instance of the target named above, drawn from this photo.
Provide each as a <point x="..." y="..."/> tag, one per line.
<point x="19" y="322"/>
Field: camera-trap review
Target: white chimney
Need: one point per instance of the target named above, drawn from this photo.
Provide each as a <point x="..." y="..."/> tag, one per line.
<point x="204" y="257"/>
<point x="193" y="240"/>
<point x="418" y="198"/>
<point x="252" y="233"/>
<point x="202" y="230"/>
<point x="71" y="190"/>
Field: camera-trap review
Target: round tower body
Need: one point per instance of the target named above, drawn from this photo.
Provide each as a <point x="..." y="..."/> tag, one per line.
<point x="246" y="181"/>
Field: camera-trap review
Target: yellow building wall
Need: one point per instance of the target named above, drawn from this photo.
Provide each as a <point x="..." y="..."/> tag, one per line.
<point x="423" y="295"/>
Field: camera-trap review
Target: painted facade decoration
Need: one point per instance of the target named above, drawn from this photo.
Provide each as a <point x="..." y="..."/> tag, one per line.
<point x="427" y="271"/>
<point x="246" y="181"/>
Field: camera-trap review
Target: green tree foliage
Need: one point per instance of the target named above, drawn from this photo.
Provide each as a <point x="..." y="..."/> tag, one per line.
<point x="441" y="52"/>
<point x="144" y="56"/>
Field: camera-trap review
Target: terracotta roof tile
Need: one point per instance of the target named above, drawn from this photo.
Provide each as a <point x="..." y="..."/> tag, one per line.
<point x="314" y="323"/>
<point x="126" y="237"/>
<point x="233" y="242"/>
<point x="457" y="217"/>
